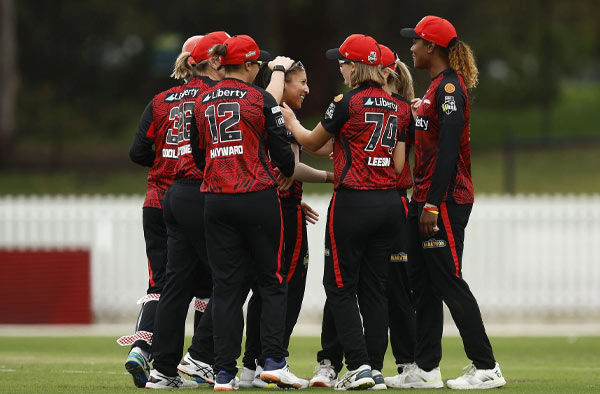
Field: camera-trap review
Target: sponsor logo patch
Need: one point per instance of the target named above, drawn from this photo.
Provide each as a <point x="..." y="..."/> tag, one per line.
<point x="280" y="121"/>
<point x="225" y="93"/>
<point x="449" y="105"/>
<point x="372" y="57"/>
<point x="275" y="109"/>
<point x="380" y="102"/>
<point x="422" y="123"/>
<point x="250" y="54"/>
<point x="190" y="92"/>
<point x="449" y="88"/>
<point x="338" y="98"/>
<point x="434" y="243"/>
<point x="329" y="112"/>
<point x="399" y="257"/>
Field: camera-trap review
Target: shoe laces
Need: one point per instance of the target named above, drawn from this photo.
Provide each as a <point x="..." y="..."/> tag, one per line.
<point x="325" y="370"/>
<point x="408" y="367"/>
<point x="470" y="370"/>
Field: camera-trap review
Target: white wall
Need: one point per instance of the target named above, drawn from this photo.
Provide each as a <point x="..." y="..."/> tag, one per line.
<point x="524" y="255"/>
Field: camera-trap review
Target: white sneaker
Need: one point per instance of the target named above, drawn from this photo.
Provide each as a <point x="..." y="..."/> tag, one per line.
<point x="379" y="380"/>
<point x="196" y="369"/>
<point x="246" y="378"/>
<point x="159" y="381"/>
<point x="394" y="382"/>
<point x="325" y="375"/>
<point x="414" y="377"/>
<point x="224" y="381"/>
<point x="257" y="382"/>
<point x="357" y="379"/>
<point x="478" y="378"/>
<point x="280" y="374"/>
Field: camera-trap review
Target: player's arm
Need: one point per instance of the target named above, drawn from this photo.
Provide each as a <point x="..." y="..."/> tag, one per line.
<point x="451" y="115"/>
<point x="335" y="117"/>
<point x="323" y="151"/>
<point x="451" y="107"/>
<point x="304" y="173"/>
<point x="279" y="146"/>
<point x="141" y="151"/>
<point x="277" y="83"/>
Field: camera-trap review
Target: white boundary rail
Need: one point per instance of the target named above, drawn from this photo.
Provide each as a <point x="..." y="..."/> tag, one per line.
<point x="524" y="255"/>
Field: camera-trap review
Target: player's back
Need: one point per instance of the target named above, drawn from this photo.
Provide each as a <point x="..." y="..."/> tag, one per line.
<point x="231" y="123"/>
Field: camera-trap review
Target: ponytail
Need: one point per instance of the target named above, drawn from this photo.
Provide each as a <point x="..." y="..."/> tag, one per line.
<point x="462" y="61"/>
<point x="182" y="69"/>
<point x="404" y="82"/>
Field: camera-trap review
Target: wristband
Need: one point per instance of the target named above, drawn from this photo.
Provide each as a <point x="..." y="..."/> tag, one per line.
<point x="432" y="210"/>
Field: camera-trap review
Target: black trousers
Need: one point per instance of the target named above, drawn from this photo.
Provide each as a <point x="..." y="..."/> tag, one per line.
<point x="436" y="275"/>
<point x="401" y="311"/>
<point x="361" y="226"/>
<point x="155" y="235"/>
<point x="399" y="292"/>
<point x="244" y="234"/>
<point x="188" y="273"/>
<point x="295" y="268"/>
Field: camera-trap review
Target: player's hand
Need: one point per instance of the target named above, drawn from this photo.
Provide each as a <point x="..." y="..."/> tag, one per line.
<point x="288" y="115"/>
<point x="312" y="216"/>
<point x="284" y="61"/>
<point x="414" y="106"/>
<point x="428" y="226"/>
<point x="284" y="182"/>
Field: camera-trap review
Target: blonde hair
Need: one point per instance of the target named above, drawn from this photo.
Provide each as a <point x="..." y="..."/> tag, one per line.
<point x="462" y="61"/>
<point x="400" y="81"/>
<point x="366" y="73"/>
<point x="186" y="71"/>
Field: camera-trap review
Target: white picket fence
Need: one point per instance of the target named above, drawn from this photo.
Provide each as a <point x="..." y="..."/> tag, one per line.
<point x="524" y="256"/>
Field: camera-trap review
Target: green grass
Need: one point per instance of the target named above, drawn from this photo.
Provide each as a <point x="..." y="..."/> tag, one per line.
<point x="53" y="365"/>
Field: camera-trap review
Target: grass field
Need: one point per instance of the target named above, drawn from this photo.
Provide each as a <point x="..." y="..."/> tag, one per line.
<point x="53" y="365"/>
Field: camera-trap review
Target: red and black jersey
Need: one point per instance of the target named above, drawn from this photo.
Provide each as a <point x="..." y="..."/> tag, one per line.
<point x="187" y="167"/>
<point x="295" y="191"/>
<point x="156" y="128"/>
<point x="407" y="125"/>
<point x="442" y="153"/>
<point x="365" y="124"/>
<point x="240" y="126"/>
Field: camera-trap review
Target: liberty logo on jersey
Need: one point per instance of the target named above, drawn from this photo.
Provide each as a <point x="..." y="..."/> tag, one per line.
<point x="379" y="102"/>
<point x="225" y="93"/>
<point x="191" y="92"/>
<point x="422" y="123"/>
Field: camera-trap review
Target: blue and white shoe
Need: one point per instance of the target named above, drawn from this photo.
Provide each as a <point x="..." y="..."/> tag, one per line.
<point x="280" y="374"/>
<point x="356" y="379"/>
<point x="226" y="382"/>
<point x="138" y="366"/>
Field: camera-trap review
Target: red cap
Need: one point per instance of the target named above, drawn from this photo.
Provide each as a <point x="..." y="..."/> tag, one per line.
<point x="241" y="49"/>
<point x="188" y="46"/>
<point x="432" y="28"/>
<point x="200" y="51"/>
<point x="388" y="58"/>
<point x="357" y="48"/>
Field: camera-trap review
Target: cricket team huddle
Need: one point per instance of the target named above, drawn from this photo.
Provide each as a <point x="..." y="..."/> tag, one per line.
<point x="224" y="208"/>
